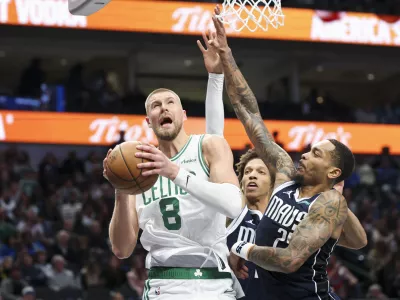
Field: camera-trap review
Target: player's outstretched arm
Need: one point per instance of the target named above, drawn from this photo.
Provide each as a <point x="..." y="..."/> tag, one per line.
<point x="215" y="105"/>
<point x="326" y="218"/>
<point x="353" y="235"/>
<point x="215" y="87"/>
<point x="246" y="108"/>
<point x="124" y="226"/>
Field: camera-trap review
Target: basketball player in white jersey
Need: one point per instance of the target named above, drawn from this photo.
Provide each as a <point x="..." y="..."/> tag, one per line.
<point x="183" y="215"/>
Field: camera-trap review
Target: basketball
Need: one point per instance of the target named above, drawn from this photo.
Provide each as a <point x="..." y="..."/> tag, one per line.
<point x="122" y="171"/>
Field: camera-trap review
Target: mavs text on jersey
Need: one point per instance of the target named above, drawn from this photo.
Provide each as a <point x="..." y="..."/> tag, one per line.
<point x="284" y="212"/>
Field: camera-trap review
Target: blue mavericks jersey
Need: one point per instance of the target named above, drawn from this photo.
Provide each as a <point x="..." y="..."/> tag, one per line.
<point x="284" y="212"/>
<point x="243" y="228"/>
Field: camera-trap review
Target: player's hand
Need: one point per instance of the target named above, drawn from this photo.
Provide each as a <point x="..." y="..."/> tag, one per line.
<point x="220" y="41"/>
<point x="105" y="173"/>
<point x="212" y="61"/>
<point x="238" y="267"/>
<point x="105" y="164"/>
<point x="159" y="163"/>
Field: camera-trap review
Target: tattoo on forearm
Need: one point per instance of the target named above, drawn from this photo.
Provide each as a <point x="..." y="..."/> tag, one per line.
<point x="246" y="108"/>
<point x="327" y="214"/>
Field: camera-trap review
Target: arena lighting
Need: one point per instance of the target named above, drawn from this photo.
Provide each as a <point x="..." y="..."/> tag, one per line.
<point x="86" y="7"/>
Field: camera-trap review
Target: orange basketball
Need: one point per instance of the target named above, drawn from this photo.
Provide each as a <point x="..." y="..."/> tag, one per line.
<point x="122" y="170"/>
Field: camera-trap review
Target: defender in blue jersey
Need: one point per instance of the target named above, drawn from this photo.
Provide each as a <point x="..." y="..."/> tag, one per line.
<point x="305" y="217"/>
<point x="255" y="182"/>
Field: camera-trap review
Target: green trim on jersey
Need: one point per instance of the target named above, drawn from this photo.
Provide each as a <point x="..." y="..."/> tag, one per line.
<point x="182" y="150"/>
<point x="201" y="157"/>
<point x="187" y="273"/>
<point x="146" y="290"/>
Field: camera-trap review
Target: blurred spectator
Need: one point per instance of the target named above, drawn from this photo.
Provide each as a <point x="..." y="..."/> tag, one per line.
<point x="343" y="282"/>
<point x="72" y="165"/>
<point x="91" y="274"/>
<point x="93" y="163"/>
<point x="32" y="273"/>
<point x="6" y="267"/>
<point x="58" y="277"/>
<point x="113" y="274"/>
<point x="365" y="115"/>
<point x="31" y="80"/>
<point x="29" y="244"/>
<point x="71" y="207"/>
<point x="41" y="261"/>
<point x="11" y="288"/>
<point x="120" y="140"/>
<point x="6" y="228"/>
<point x="367" y="174"/>
<point x="62" y="247"/>
<point x="375" y="292"/>
<point x="133" y="288"/>
<point x="75" y="89"/>
<point x="28" y="293"/>
<point x="8" y="204"/>
<point x="116" y="296"/>
<point x="22" y="165"/>
<point x="48" y="171"/>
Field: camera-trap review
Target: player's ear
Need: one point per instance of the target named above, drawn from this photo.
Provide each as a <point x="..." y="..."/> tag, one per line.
<point x="148" y="122"/>
<point x="334" y="173"/>
<point x="184" y="115"/>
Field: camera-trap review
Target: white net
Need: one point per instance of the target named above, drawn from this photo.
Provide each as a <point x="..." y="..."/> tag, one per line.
<point x="252" y="14"/>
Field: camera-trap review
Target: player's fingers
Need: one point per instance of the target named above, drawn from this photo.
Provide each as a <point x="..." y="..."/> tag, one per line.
<point x="237" y="273"/>
<point x="244" y="275"/>
<point x="216" y="24"/>
<point x="202" y="49"/>
<point x="205" y="38"/>
<point x="147" y="148"/>
<point x="213" y="44"/>
<point x="219" y="26"/>
<point x="218" y="11"/>
<point x="146" y="155"/>
<point x="108" y="152"/>
<point x="217" y="15"/>
<point x="105" y="173"/>
<point x="149" y="165"/>
<point x="244" y="268"/>
<point x="151" y="172"/>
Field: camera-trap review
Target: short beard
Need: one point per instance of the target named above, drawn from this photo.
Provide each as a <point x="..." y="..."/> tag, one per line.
<point x="299" y="179"/>
<point x="167" y="136"/>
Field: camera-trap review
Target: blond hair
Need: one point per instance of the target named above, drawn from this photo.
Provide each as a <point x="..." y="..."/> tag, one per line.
<point x="160" y="90"/>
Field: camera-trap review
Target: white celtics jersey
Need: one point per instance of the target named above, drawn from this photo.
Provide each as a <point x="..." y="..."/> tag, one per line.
<point x="178" y="229"/>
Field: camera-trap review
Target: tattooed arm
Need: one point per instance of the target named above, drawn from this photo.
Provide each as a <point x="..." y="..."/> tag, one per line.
<point x="246" y="108"/>
<point x="325" y="220"/>
<point x="353" y="235"/>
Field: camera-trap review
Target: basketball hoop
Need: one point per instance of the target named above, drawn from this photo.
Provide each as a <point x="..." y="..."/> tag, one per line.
<point x="85" y="7"/>
<point x="252" y="14"/>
